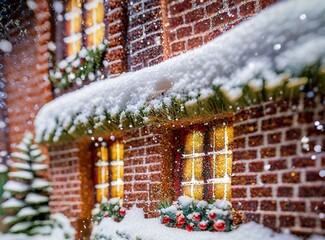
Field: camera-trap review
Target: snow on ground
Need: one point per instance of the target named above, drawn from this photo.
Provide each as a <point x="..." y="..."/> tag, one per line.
<point x="282" y="39"/>
<point x="134" y="226"/>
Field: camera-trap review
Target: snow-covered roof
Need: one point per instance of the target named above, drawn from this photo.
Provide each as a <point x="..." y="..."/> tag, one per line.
<point x="267" y="52"/>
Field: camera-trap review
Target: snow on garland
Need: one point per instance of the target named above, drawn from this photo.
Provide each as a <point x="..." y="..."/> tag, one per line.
<point x="85" y="65"/>
<point x="135" y="227"/>
<point x="272" y="56"/>
<point x="108" y="209"/>
<point x="193" y="215"/>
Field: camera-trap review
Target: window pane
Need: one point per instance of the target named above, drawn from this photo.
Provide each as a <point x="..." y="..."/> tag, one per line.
<point x="222" y="191"/>
<point x="193" y="169"/>
<point x="194" y="143"/>
<point x="101" y="172"/>
<point x="117" y="169"/>
<point x="73" y="17"/>
<point x="94" y="22"/>
<point x="220" y="158"/>
<point x="193" y="191"/>
<point x="192" y="162"/>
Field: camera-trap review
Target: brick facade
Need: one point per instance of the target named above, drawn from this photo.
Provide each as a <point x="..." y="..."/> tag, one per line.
<point x="116" y="22"/>
<point x="25" y="72"/>
<point x="275" y="178"/>
<point x="277" y="159"/>
<point x="144" y="34"/>
<point x="192" y="23"/>
<point x="147" y="168"/>
<point x="71" y="177"/>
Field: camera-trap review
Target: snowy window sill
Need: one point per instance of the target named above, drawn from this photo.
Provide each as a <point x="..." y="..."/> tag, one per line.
<point x="274" y="55"/>
<point x="135" y="226"/>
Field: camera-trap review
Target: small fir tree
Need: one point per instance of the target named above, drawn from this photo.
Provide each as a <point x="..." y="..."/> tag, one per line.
<point x="27" y="192"/>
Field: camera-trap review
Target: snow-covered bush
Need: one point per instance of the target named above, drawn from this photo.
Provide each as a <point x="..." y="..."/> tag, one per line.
<point x="193" y="215"/>
<point x="109" y="209"/>
<point x="26" y="195"/>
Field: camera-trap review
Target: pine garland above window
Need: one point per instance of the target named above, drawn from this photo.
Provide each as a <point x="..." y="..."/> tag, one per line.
<point x="85" y="65"/>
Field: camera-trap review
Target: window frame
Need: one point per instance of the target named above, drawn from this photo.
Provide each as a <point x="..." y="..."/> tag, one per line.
<point x="207" y="173"/>
<point x="109" y="144"/>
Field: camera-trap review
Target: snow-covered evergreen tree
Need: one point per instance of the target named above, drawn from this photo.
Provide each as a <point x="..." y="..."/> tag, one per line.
<point x="27" y="192"/>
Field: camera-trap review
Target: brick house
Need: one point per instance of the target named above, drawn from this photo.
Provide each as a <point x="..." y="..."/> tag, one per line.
<point x="275" y="178"/>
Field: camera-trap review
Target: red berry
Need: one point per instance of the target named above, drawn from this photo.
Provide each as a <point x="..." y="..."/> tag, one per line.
<point x="190" y="227"/>
<point x="203" y="225"/>
<point x="166" y="220"/>
<point x="196" y="217"/>
<point x="212" y="215"/>
<point x="219" y="225"/>
<point x="122" y="212"/>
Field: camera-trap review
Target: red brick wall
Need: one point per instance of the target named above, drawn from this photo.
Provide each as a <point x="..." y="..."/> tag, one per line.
<point x="144" y="34"/>
<point x="192" y="23"/>
<point x="276" y="179"/>
<point x="116" y="23"/>
<point x="25" y="71"/>
<point x="146" y="175"/>
<point x="71" y="177"/>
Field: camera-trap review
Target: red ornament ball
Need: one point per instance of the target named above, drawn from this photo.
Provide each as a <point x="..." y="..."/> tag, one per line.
<point x="122" y="212"/>
<point x="212" y="216"/>
<point x="166" y="220"/>
<point x="190" y="227"/>
<point x="219" y="225"/>
<point x="196" y="217"/>
<point x="203" y="225"/>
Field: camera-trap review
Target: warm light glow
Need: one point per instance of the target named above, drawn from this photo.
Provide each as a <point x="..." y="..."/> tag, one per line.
<point x="109" y="171"/>
<point x="101" y="172"/>
<point x="94" y="22"/>
<point x="117" y="169"/>
<point x="192" y="184"/>
<point x="219" y="156"/>
<point x="221" y="140"/>
<point x="73" y="26"/>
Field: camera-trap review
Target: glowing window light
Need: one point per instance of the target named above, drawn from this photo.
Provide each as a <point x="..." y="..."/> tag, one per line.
<point x="116" y="169"/>
<point x="94" y="22"/>
<point x="101" y="172"/>
<point x="73" y="25"/>
<point x="192" y="184"/>
<point x="222" y="139"/>
<point x="216" y="174"/>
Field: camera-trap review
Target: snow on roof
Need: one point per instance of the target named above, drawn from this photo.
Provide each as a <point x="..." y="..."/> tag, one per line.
<point x="135" y="226"/>
<point x="13" y="186"/>
<point x="269" y="48"/>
